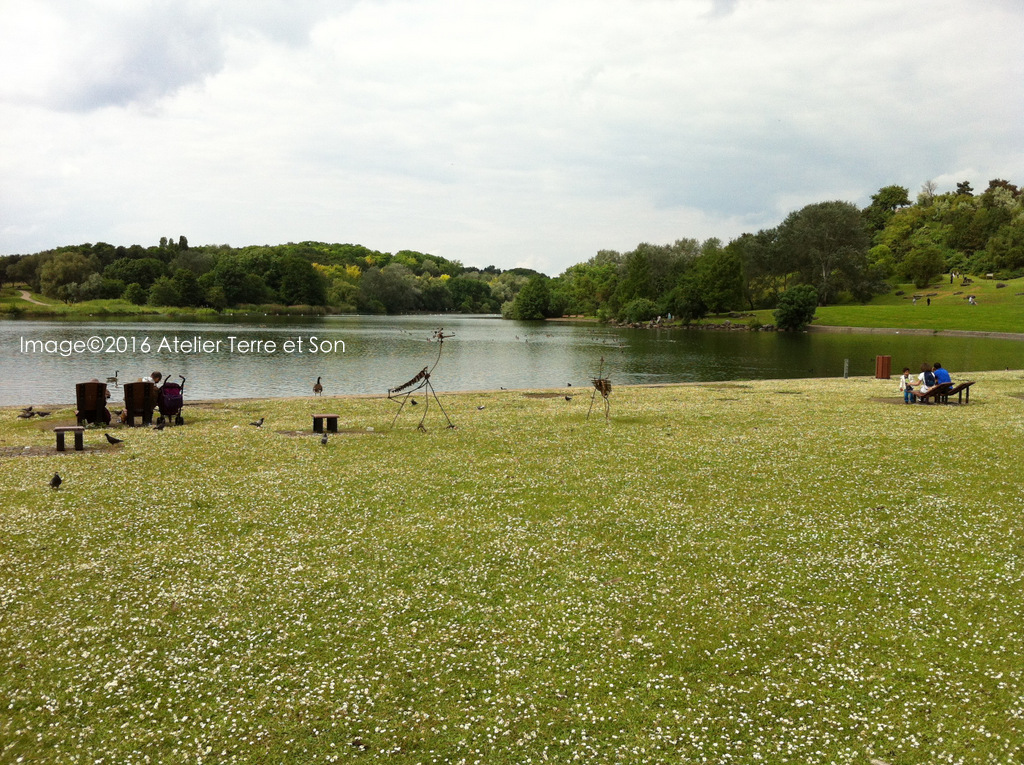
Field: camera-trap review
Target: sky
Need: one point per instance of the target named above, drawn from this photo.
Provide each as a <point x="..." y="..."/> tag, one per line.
<point x="524" y="133"/>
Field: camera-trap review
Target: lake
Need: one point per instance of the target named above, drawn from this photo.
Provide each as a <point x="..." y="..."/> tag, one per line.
<point x="276" y="357"/>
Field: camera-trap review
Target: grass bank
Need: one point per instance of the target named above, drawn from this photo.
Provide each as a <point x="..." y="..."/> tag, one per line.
<point x="788" y="571"/>
<point x="941" y="306"/>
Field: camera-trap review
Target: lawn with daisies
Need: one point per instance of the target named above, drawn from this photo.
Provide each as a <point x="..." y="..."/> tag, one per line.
<point x="800" y="571"/>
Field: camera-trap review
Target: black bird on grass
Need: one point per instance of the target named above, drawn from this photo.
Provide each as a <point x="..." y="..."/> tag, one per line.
<point x="258" y="423"/>
<point x="481" y="406"/>
<point x="26" y="415"/>
<point x="158" y="426"/>
<point x="42" y="414"/>
<point x="413" y="401"/>
<point x="112" y="440"/>
<point x="568" y="398"/>
<point x="56" y="481"/>
<point x="323" y="439"/>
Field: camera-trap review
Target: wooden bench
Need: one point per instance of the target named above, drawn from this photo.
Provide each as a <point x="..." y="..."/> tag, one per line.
<point x="936" y="392"/>
<point x="91" y="403"/>
<point x="139" y="401"/>
<point x="318" y="423"/>
<point x="79" y="432"/>
<point x="959" y="389"/>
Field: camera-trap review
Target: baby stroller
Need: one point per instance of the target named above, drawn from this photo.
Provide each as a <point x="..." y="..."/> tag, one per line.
<point x="170" y="399"/>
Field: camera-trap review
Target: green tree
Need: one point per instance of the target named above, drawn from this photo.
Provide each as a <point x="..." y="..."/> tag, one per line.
<point x="63" y="269"/>
<point x="135" y="294"/>
<point x="145" y="271"/>
<point x="532" y="301"/>
<point x="686" y="301"/>
<point x="925" y="260"/>
<point x="471" y="295"/>
<point x="216" y="299"/>
<point x="884" y="205"/>
<point x="719" y="276"/>
<point x="1006" y="248"/>
<point x="796" y="307"/>
<point x="829" y="242"/>
<point x="163" y="293"/>
<point x="301" y="283"/>
<point x="435" y="295"/>
<point x="391" y="289"/>
<point x="190" y="293"/>
<point x="638" y="310"/>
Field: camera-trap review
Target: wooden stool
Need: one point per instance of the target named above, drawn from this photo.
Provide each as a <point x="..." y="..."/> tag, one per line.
<point x="78" y="430"/>
<point x="318" y="423"/>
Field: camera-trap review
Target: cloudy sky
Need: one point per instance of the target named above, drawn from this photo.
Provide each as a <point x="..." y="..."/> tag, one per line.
<point x="518" y="133"/>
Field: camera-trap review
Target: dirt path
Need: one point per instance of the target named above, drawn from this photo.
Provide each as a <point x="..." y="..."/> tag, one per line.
<point x="26" y="295"/>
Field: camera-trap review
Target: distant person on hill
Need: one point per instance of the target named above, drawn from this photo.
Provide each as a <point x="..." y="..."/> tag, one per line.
<point x="941" y="375"/>
<point x="907" y="386"/>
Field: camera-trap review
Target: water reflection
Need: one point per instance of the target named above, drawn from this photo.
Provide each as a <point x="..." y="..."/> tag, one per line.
<point x="483" y="353"/>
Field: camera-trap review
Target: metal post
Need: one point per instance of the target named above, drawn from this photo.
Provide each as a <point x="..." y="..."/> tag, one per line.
<point x="846" y="368"/>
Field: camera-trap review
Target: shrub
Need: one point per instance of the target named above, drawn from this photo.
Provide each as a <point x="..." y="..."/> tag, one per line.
<point x="640" y="309"/>
<point x="796" y="307"/>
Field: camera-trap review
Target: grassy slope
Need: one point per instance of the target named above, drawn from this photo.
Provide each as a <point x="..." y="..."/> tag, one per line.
<point x="998" y="309"/>
<point x="785" y="571"/>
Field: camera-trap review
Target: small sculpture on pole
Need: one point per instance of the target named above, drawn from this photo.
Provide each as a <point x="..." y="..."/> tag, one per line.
<point x="421" y="381"/>
<point x="603" y="386"/>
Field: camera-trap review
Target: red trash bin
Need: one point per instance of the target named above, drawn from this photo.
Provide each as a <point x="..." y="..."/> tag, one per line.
<point x="883" y="367"/>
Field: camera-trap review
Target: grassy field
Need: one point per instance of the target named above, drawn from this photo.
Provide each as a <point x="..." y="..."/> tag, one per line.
<point x="998" y="309"/>
<point x="794" y="571"/>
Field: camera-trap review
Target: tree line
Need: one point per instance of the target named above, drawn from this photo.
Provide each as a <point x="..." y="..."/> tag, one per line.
<point x="341" y="278"/>
<point x="842" y="252"/>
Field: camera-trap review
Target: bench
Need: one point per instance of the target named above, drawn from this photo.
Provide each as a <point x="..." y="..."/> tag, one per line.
<point x="959" y="389"/>
<point x="318" y="423"/>
<point x="140" y="399"/>
<point x="79" y="432"/>
<point x="91" y="403"/>
<point x="936" y="392"/>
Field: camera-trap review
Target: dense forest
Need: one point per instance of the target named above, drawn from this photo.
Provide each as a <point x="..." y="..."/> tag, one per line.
<point x="843" y="252"/>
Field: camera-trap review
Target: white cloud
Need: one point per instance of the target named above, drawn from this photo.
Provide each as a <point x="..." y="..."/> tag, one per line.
<point x="533" y="132"/>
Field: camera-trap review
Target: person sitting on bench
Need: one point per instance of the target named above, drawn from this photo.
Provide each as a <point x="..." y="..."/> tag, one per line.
<point x="941" y="375"/>
<point x="927" y="378"/>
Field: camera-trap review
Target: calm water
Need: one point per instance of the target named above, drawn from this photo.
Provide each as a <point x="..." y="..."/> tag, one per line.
<point x="41" y="361"/>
